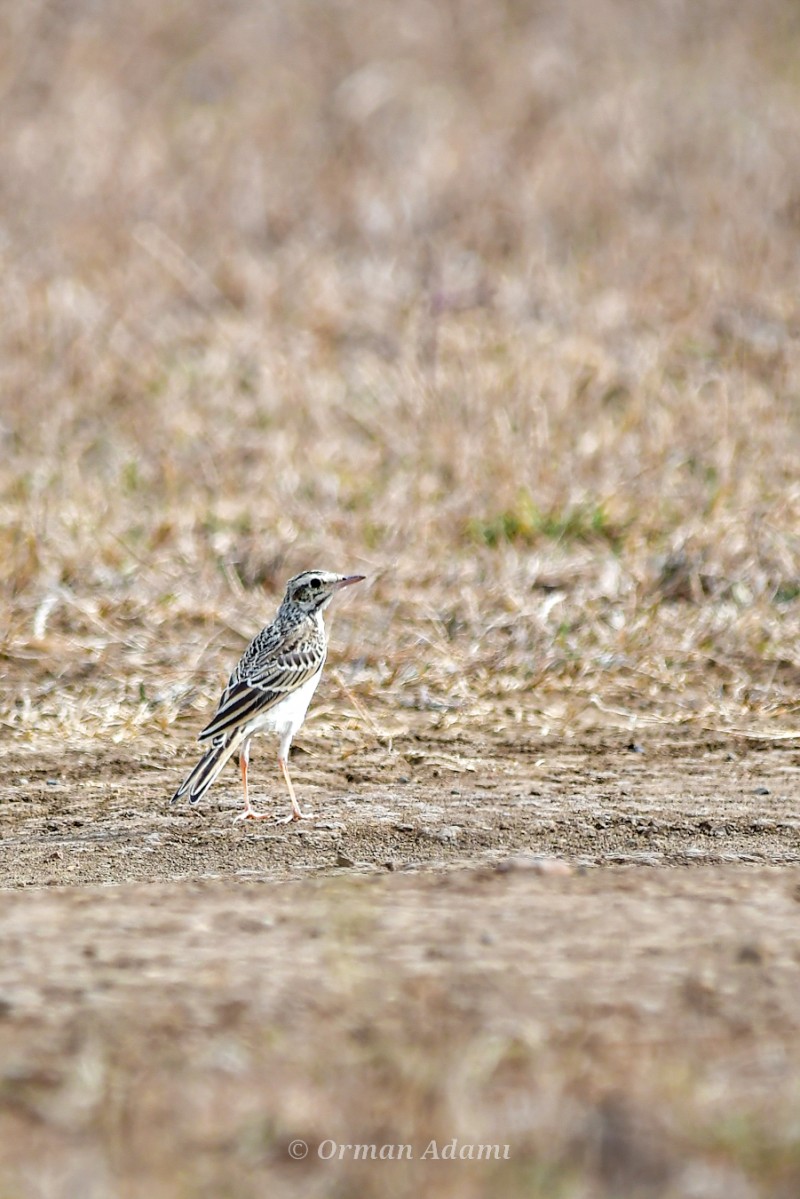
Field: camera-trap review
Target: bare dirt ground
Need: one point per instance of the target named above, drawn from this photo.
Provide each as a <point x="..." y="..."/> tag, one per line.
<point x="104" y="816"/>
<point x="585" y="951"/>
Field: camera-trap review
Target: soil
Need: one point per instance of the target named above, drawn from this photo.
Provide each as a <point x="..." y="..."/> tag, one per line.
<point x="70" y="817"/>
<point x="584" y="949"/>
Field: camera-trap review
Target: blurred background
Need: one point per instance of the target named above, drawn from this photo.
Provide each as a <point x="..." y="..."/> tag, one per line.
<point x="496" y="303"/>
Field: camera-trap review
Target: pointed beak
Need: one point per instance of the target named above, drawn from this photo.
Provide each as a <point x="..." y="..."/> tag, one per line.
<point x="348" y="581"/>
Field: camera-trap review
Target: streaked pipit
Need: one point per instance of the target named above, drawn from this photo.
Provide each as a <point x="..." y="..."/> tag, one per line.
<point x="271" y="687"/>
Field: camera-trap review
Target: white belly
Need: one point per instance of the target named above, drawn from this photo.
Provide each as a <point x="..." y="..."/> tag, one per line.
<point x="285" y="717"/>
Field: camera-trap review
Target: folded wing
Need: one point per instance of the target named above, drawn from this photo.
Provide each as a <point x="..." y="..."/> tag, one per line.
<point x="266" y="674"/>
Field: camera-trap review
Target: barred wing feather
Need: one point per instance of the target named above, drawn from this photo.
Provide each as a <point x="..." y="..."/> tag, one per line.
<point x="258" y="685"/>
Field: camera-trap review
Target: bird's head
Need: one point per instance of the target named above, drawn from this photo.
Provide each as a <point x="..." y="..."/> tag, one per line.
<point x="313" y="590"/>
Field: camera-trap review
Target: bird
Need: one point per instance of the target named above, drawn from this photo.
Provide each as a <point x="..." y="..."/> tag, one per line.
<point x="270" y="688"/>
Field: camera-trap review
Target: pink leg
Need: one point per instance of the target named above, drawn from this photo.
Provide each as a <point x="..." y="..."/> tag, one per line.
<point x="296" y="812"/>
<point x="249" y="812"/>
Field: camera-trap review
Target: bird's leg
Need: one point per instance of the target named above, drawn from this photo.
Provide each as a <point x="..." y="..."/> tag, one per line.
<point x="249" y="812"/>
<point x="296" y="812"/>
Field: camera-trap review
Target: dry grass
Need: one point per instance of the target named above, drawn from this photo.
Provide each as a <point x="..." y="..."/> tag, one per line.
<point x="497" y="305"/>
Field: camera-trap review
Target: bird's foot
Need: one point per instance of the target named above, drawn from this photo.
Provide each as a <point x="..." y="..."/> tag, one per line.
<point x="251" y="814"/>
<point x="295" y="814"/>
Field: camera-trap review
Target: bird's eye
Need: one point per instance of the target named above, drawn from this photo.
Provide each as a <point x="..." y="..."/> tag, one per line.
<point x="315" y="584"/>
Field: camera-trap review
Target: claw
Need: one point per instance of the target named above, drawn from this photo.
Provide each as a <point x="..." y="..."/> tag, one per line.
<point x="294" y="815"/>
<point x="250" y="814"/>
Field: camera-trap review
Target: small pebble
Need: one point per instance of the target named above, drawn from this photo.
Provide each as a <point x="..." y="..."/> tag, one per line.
<point x="447" y="835"/>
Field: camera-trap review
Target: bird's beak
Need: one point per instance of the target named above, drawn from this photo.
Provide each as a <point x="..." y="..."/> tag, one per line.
<point x="348" y="581"/>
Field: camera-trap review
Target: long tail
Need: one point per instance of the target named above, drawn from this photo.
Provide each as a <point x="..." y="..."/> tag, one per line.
<point x="207" y="769"/>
